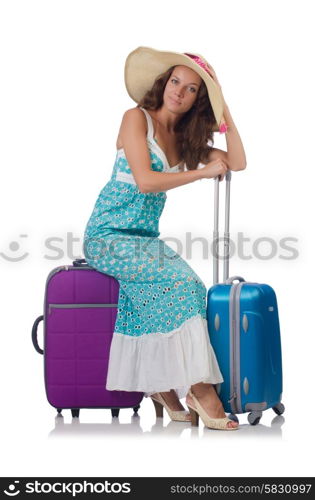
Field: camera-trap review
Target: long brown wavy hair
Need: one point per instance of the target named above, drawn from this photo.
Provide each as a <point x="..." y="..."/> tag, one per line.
<point x="194" y="129"/>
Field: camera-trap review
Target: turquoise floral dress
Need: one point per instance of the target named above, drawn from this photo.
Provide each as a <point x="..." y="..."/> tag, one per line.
<point x="160" y="339"/>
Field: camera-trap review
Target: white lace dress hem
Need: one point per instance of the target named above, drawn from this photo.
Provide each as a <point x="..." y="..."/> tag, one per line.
<point x="159" y="362"/>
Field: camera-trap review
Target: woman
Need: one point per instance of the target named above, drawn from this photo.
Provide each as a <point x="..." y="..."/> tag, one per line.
<point x="161" y="344"/>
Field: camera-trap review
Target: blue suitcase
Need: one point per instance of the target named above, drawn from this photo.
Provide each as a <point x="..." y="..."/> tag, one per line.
<point x="244" y="331"/>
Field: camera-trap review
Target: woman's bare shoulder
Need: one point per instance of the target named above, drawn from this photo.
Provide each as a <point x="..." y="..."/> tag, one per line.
<point x="134" y="114"/>
<point x="133" y="119"/>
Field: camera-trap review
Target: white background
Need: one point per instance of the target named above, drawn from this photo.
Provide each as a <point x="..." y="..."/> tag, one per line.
<point x="62" y="98"/>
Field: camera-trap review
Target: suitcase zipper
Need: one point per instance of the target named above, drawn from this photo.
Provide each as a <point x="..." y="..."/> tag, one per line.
<point x="237" y="346"/>
<point x="233" y="389"/>
<point x="235" y="400"/>
<point x="77" y="306"/>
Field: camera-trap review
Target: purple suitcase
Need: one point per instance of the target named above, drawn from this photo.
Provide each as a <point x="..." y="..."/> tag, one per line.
<point x="80" y="310"/>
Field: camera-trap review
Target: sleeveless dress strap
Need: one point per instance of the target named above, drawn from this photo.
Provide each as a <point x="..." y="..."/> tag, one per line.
<point x="150" y="124"/>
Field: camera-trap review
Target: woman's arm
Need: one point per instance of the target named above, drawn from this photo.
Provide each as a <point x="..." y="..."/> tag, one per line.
<point x="133" y="133"/>
<point x="235" y="155"/>
<point x="160" y="181"/>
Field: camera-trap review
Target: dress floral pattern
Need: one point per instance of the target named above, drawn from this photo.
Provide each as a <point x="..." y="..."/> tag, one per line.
<point x="160" y="339"/>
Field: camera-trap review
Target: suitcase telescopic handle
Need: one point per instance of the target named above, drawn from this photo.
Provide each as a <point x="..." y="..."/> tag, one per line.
<point x="34" y="334"/>
<point x="228" y="177"/>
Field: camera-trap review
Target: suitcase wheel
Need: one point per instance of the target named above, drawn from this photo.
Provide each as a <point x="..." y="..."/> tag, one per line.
<point x="136" y="408"/>
<point x="233" y="417"/>
<point x="278" y="408"/>
<point x="59" y="410"/>
<point x="254" y="417"/>
<point x="75" y="412"/>
<point x="115" y="412"/>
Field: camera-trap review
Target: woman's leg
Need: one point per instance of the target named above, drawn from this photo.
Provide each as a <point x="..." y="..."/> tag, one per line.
<point x="172" y="400"/>
<point x="209" y="400"/>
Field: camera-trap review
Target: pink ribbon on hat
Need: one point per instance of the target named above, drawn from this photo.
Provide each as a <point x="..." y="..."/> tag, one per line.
<point x="199" y="61"/>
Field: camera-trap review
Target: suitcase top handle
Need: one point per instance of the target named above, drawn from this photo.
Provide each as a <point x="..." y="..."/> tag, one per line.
<point x="80" y="263"/>
<point x="229" y="281"/>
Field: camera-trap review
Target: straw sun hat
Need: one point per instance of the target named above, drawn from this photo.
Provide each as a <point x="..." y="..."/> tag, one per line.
<point x="144" y="64"/>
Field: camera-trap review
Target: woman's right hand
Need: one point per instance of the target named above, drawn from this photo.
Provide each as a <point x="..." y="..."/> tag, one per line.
<point x="214" y="168"/>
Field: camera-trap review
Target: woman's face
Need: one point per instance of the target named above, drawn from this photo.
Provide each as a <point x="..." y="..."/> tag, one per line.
<point x="181" y="89"/>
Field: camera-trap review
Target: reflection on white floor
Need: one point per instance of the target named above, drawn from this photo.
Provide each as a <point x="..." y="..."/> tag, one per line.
<point x="97" y="443"/>
<point x="162" y="428"/>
